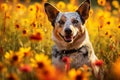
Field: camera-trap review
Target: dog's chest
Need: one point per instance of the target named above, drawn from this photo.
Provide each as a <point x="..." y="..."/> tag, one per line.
<point x="77" y="58"/>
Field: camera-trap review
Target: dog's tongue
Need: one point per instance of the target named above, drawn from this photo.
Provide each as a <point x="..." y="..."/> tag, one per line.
<point x="68" y="38"/>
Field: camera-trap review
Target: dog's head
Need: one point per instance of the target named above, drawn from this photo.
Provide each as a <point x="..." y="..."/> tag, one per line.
<point x="68" y="26"/>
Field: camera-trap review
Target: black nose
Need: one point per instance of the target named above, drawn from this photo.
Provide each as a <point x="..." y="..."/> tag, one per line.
<point x="68" y="31"/>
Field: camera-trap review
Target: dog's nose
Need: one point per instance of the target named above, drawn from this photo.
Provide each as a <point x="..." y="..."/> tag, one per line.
<point x="68" y="31"/>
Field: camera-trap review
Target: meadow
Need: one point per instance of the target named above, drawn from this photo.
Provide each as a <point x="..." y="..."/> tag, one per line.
<point x="25" y="40"/>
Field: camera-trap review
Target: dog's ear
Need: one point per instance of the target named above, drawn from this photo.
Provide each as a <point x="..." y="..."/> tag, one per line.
<point x="83" y="10"/>
<point x="51" y="12"/>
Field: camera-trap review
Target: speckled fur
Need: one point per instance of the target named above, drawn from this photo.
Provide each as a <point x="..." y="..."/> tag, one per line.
<point x="79" y="37"/>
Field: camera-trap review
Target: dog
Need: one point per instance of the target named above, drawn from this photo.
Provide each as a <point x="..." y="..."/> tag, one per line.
<point x="71" y="37"/>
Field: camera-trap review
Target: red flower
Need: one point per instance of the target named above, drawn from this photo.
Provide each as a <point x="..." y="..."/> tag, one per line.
<point x="66" y="60"/>
<point x="98" y="62"/>
<point x="25" y="68"/>
<point x="36" y="37"/>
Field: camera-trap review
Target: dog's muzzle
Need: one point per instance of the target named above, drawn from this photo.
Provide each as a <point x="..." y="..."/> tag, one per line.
<point x="68" y="37"/>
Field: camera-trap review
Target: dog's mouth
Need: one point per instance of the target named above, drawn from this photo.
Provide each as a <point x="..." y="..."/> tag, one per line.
<point x="67" y="38"/>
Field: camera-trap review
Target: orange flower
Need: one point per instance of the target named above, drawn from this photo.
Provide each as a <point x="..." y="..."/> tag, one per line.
<point x="78" y="74"/>
<point x="116" y="68"/>
<point x="4" y="7"/>
<point x="115" y="3"/>
<point x="101" y="2"/>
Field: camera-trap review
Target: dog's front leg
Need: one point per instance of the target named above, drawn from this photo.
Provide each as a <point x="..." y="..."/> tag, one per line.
<point x="96" y="67"/>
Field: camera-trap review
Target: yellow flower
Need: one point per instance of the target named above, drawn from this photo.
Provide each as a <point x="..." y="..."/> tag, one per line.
<point x="17" y="25"/>
<point x="115" y="3"/>
<point x="61" y="5"/>
<point x="13" y="57"/>
<point x="19" y="6"/>
<point x="80" y="74"/>
<point x="40" y="15"/>
<point x="4" y="6"/>
<point x="25" y="32"/>
<point x="32" y="9"/>
<point x="25" y="51"/>
<point x="101" y="2"/>
<point x="40" y="61"/>
<point x="71" y="7"/>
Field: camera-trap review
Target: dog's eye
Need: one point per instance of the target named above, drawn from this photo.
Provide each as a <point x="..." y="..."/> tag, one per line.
<point x="75" y="21"/>
<point x="61" y="22"/>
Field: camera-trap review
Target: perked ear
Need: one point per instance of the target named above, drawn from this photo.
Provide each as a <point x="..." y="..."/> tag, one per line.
<point x="51" y="12"/>
<point x="83" y="10"/>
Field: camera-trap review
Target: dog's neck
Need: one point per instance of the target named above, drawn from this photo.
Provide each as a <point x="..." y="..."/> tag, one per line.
<point x="77" y="43"/>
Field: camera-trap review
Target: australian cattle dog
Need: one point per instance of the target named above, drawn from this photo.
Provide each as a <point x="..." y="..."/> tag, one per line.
<point x="71" y="37"/>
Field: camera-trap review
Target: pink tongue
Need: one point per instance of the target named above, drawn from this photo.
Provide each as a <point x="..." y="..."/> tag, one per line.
<point x="68" y="38"/>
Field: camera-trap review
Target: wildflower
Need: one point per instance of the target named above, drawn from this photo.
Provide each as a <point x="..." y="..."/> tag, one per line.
<point x="8" y="16"/>
<point x="98" y="62"/>
<point x="25" y="51"/>
<point x="38" y="7"/>
<point x="115" y="3"/>
<point x="38" y="35"/>
<point x="12" y="76"/>
<point x="18" y="6"/>
<point x="40" y="15"/>
<point x="106" y="33"/>
<point x="71" y="7"/>
<point x="108" y="22"/>
<point x="32" y="9"/>
<point x="91" y="11"/>
<point x="41" y="61"/>
<point x="110" y="36"/>
<point x="4" y="6"/>
<point x="25" y="68"/>
<point x="17" y="26"/>
<point x="61" y="5"/>
<point x="24" y="32"/>
<point x="13" y="57"/>
<point x="78" y="75"/>
<point x="119" y="26"/>
<point x="101" y="2"/>
<point x="34" y="24"/>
